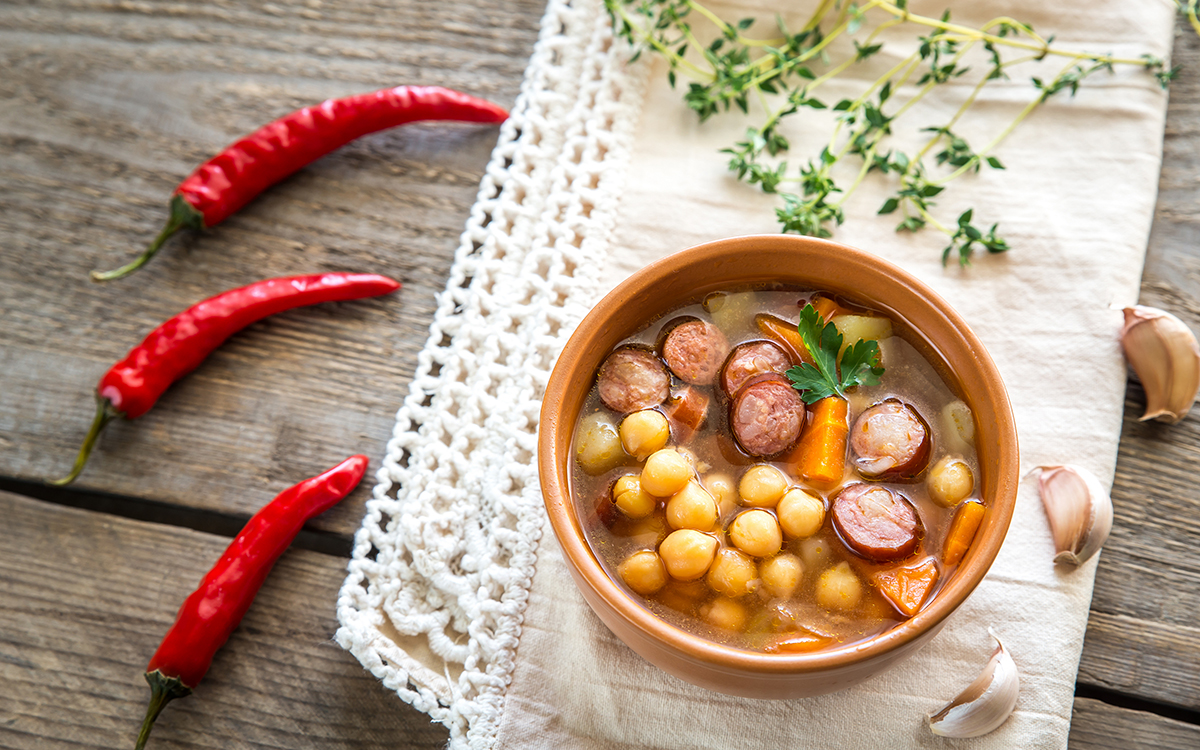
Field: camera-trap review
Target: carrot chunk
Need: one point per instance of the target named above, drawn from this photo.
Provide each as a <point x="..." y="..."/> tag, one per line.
<point x="907" y="587"/>
<point x="820" y="456"/>
<point x="798" y="643"/>
<point x="785" y="334"/>
<point x="828" y="307"/>
<point x="962" y="531"/>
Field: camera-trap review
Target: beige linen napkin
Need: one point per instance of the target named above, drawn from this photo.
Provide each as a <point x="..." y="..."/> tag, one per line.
<point x="1075" y="203"/>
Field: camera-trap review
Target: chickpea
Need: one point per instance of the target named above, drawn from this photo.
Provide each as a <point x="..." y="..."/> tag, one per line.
<point x="631" y="499"/>
<point x="684" y="597"/>
<point x="644" y="432"/>
<point x="756" y="532"/>
<point x="950" y="482"/>
<point x="724" y="613"/>
<point x="597" y="444"/>
<point x="688" y="553"/>
<point x="814" y="551"/>
<point x="692" y="508"/>
<point x="762" y="485"/>
<point x="643" y="572"/>
<point x="699" y="465"/>
<point x="801" y="513"/>
<point x="781" y="575"/>
<point x="721" y="487"/>
<point x="665" y="473"/>
<point x="649" y="531"/>
<point x="733" y="573"/>
<point x="839" y="588"/>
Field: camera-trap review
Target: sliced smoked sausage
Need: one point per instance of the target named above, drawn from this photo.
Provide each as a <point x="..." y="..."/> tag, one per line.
<point x="767" y="415"/>
<point x="876" y="523"/>
<point x="686" y="409"/>
<point x="633" y="378"/>
<point x="749" y="359"/>
<point x="694" y="350"/>
<point x="890" y="440"/>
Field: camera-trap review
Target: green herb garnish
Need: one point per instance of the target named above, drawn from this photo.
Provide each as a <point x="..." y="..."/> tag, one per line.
<point x="781" y="74"/>
<point x="829" y="377"/>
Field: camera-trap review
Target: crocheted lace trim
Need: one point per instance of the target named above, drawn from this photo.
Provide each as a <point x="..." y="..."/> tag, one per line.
<point x="443" y="562"/>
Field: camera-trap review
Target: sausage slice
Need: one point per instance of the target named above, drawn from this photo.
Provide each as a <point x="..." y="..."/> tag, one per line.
<point x="694" y="350"/>
<point x="686" y="410"/>
<point x="767" y="415"/>
<point x="632" y="379"/>
<point x="876" y="523"/>
<point x="749" y="359"/>
<point x="890" y="441"/>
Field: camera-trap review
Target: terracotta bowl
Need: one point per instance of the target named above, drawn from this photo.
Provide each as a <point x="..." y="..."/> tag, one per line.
<point x="919" y="315"/>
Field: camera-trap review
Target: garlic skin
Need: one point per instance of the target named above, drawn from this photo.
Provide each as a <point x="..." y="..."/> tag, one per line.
<point x="986" y="703"/>
<point x="1079" y="510"/>
<point x="1163" y="352"/>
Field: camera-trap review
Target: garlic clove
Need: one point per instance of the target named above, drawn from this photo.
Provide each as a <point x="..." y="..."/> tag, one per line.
<point x="986" y="703"/>
<point x="1079" y="510"/>
<point x="1163" y="352"/>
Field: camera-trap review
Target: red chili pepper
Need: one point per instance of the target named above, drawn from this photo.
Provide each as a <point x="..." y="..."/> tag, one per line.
<point x="179" y="345"/>
<point x="209" y="615"/>
<point x="226" y="182"/>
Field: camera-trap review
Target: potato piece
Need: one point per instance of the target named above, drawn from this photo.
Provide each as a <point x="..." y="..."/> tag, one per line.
<point x="862" y="327"/>
<point x="598" y="444"/>
<point x="730" y="311"/>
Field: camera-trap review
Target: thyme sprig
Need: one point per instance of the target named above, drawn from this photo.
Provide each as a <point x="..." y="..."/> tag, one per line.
<point x="785" y="75"/>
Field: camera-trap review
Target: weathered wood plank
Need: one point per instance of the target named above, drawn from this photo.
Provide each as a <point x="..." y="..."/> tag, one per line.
<point x="108" y="106"/>
<point x="1099" y="726"/>
<point x="1142" y="636"/>
<point x="86" y="597"/>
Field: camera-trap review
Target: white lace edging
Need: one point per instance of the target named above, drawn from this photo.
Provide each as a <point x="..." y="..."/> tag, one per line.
<point x="443" y="562"/>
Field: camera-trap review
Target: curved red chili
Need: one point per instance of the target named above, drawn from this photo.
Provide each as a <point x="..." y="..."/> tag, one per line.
<point x="180" y="344"/>
<point x="209" y="615"/>
<point x="229" y="180"/>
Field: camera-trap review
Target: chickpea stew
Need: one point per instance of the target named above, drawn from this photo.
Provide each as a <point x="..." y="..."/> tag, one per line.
<point x="737" y="504"/>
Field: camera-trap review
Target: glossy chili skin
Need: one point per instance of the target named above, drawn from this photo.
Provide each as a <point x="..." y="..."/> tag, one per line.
<point x="229" y="180"/>
<point x="210" y="614"/>
<point x="132" y="386"/>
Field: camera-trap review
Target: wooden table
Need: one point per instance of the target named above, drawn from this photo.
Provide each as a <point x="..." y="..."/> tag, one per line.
<point x="106" y="106"/>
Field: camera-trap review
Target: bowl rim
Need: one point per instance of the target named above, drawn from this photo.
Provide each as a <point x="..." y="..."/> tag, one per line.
<point x="906" y="289"/>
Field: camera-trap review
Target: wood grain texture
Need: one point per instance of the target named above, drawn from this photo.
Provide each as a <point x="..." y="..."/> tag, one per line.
<point x="1099" y="726"/>
<point x="86" y="597"/>
<point x="107" y="107"/>
<point x="1143" y="637"/>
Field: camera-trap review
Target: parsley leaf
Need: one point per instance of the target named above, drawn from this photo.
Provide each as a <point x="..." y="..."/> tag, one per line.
<point x="823" y="377"/>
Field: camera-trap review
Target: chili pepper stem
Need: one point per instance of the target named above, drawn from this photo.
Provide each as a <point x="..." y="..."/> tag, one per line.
<point x="105" y="413"/>
<point x="163" y="690"/>
<point x="183" y="214"/>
